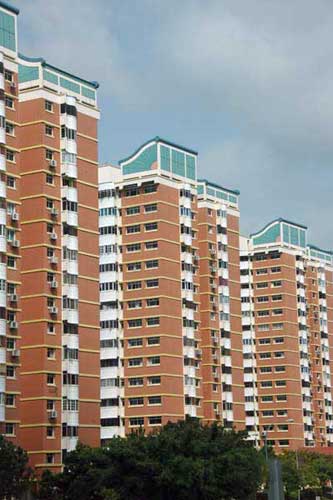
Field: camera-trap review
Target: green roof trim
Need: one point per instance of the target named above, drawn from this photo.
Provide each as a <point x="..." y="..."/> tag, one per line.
<point x="314" y="247"/>
<point x="158" y="139"/>
<point x="42" y="61"/>
<point x="279" y="220"/>
<point x="217" y="186"/>
<point x="9" y="7"/>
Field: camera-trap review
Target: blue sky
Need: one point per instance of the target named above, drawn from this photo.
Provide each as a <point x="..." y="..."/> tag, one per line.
<point x="246" y="84"/>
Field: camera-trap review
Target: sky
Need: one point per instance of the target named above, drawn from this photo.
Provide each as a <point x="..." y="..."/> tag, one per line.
<point x="247" y="84"/>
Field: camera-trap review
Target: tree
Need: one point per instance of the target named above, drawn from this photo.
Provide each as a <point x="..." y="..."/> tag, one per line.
<point x="182" y="460"/>
<point x="15" y="474"/>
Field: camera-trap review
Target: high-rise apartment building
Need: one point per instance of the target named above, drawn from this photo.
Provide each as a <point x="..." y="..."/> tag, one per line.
<point x="287" y="309"/>
<point x="171" y="333"/>
<point x="49" y="330"/>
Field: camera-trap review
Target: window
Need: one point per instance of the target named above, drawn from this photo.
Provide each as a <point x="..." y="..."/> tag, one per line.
<point x="155" y="420"/>
<point x="131" y="191"/>
<point x="264" y="284"/>
<point x="48" y="106"/>
<point x="153" y="360"/>
<point x="151" y="226"/>
<point x="275" y="269"/>
<point x="280" y="383"/>
<point x="267" y="399"/>
<point x="135" y="362"/>
<point x="153" y="283"/>
<point x="134" y="323"/>
<point x="277" y="312"/>
<point x="10" y="400"/>
<point x="8" y="76"/>
<point x="133" y="229"/>
<point x="50" y="379"/>
<point x="276" y="284"/>
<point x="155" y="380"/>
<point x="263" y="298"/>
<point x="132" y="210"/>
<point x="49" y="130"/>
<point x="259" y="272"/>
<point x="276" y="297"/>
<point x="68" y="133"/>
<point x="50" y="458"/>
<point x="136" y="421"/>
<point x="149" y="188"/>
<point x="155" y="400"/>
<point x="50" y="432"/>
<point x="49" y="179"/>
<point x="48" y="154"/>
<point x="153" y="321"/>
<point x="153" y="341"/>
<point x="268" y="413"/>
<point x="266" y="383"/>
<point x="152" y="264"/>
<point x="279" y="340"/>
<point x="134" y="285"/>
<point x="10" y="155"/>
<point x="134" y="304"/>
<point x="153" y="302"/>
<point x="10" y="371"/>
<point x="11" y="262"/>
<point x="11" y="182"/>
<point x="135" y="342"/>
<point x="51" y="353"/>
<point x="281" y="397"/>
<point x="135" y="401"/>
<point x="264" y="312"/>
<point x="265" y="369"/>
<point x="9" y="429"/>
<point x="280" y="369"/>
<point x="151" y="208"/>
<point x="10" y="129"/>
<point x="9" y="102"/>
<point x="151" y="245"/>
<point x="50" y="404"/>
<point x="136" y="247"/>
<point x="136" y="381"/>
<point x="134" y="266"/>
<point x="110" y="422"/>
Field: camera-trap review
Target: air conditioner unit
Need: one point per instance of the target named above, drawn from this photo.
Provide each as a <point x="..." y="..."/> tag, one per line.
<point x="54" y="211"/>
<point x="15" y="243"/>
<point x="12" y="297"/>
<point x="53" y="163"/>
<point x="15" y="353"/>
<point x="15" y="216"/>
<point x="53" y="310"/>
<point x="53" y="284"/>
<point x="53" y="236"/>
<point x="54" y="259"/>
<point x="53" y="414"/>
<point x="13" y="325"/>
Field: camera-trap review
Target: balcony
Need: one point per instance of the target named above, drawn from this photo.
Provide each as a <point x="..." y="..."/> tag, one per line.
<point x="70" y="218"/>
<point x="69" y="169"/>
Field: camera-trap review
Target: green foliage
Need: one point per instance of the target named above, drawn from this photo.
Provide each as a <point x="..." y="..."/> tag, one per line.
<point x="15" y="475"/>
<point x="181" y="461"/>
<point x="305" y="471"/>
